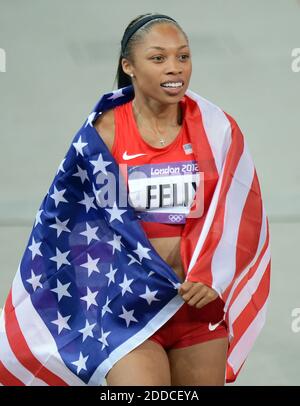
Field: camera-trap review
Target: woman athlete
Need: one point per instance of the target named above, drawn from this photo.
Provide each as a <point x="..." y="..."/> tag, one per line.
<point x="191" y="348"/>
<point x="170" y="291"/>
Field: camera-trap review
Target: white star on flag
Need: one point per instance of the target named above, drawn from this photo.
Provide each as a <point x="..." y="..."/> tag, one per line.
<point x="150" y="295"/>
<point x="115" y="243"/>
<point x="90" y="298"/>
<point x="100" y="165"/>
<point x="35" y="281"/>
<point x="81" y="362"/>
<point x="111" y="274"/>
<point x="87" y="330"/>
<point x="60" y="226"/>
<point x="60" y="258"/>
<point x="35" y="248"/>
<point x="115" y="213"/>
<point x="79" y="146"/>
<point x="90" y="233"/>
<point x="88" y="202"/>
<point x="132" y="260"/>
<point x="176" y="285"/>
<point x="82" y="174"/>
<point x="116" y="94"/>
<point x="142" y="252"/>
<point x="127" y="316"/>
<point x="61" y="322"/>
<point x="61" y="166"/>
<point x="61" y="290"/>
<point x="58" y="197"/>
<point x="105" y="308"/>
<point x="90" y="119"/>
<point x="103" y="337"/>
<point x="91" y="265"/>
<point x="125" y="285"/>
<point x="38" y="218"/>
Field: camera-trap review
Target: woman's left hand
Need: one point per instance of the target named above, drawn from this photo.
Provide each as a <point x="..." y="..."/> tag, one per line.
<point x="197" y="294"/>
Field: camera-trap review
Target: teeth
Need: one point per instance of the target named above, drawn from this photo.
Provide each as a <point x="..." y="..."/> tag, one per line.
<point x="172" y="84"/>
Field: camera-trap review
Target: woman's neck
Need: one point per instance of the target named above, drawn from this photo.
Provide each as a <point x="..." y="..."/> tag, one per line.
<point x="157" y="114"/>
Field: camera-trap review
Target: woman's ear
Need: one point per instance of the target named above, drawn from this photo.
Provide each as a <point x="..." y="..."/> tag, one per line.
<point x="127" y="67"/>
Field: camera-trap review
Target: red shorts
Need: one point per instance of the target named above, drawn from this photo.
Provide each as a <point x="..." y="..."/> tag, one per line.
<point x="190" y="326"/>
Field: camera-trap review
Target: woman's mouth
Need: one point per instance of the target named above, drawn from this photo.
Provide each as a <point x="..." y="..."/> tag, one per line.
<point x="172" y="88"/>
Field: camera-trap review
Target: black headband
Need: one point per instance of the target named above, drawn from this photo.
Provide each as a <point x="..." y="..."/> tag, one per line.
<point x="138" y="25"/>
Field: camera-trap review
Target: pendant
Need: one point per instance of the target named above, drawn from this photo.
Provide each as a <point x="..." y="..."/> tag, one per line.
<point x="162" y="142"/>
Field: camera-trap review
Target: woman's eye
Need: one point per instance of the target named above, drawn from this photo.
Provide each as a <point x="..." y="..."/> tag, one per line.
<point x="157" y="58"/>
<point x="185" y="56"/>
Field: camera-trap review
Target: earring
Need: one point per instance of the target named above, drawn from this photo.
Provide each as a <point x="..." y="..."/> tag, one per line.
<point x="132" y="75"/>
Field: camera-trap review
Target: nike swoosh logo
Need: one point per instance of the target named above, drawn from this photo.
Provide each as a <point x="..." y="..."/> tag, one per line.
<point x="212" y="327"/>
<point x="126" y="156"/>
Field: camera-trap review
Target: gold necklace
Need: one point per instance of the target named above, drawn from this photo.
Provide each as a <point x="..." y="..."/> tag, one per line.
<point x="162" y="140"/>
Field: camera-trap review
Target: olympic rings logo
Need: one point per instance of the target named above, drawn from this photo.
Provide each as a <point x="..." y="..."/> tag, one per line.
<point x="175" y="218"/>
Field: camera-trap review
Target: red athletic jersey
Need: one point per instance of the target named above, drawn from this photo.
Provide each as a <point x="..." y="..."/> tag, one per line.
<point x="161" y="181"/>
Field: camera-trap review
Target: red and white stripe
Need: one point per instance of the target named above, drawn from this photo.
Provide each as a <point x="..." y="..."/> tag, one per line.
<point x="232" y="252"/>
<point x="28" y="352"/>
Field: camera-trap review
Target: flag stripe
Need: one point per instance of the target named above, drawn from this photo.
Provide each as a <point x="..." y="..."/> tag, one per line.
<point x="248" y="326"/>
<point x="225" y="253"/>
<point x="218" y="134"/>
<point x="257" y="300"/>
<point x="21" y="349"/>
<point x="216" y="215"/>
<point x="247" y="329"/>
<point x="251" y="245"/>
<point x="206" y="227"/>
<point x="250" y="287"/>
<point x="234" y="288"/>
<point x="216" y="127"/>
<point x="8" y="379"/>
<point x="244" y="345"/>
<point x="243" y="279"/>
<point x="240" y="295"/>
<point x="250" y="228"/>
<point x="11" y="363"/>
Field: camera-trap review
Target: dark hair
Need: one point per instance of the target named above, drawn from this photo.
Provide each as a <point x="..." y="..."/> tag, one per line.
<point x="122" y="78"/>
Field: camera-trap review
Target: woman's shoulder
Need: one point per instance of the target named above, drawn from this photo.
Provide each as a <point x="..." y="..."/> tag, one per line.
<point x="105" y="126"/>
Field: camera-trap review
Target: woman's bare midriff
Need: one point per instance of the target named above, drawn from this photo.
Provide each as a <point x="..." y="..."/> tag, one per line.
<point x="167" y="247"/>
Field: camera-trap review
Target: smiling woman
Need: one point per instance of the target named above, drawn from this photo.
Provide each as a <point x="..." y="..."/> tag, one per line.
<point x="155" y="130"/>
<point x="165" y="284"/>
<point x="156" y="59"/>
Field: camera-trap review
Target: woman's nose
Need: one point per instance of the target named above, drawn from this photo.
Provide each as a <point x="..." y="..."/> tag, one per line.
<point x="174" y="67"/>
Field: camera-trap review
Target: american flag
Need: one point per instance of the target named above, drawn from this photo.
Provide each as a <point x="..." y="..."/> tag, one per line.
<point x="90" y="287"/>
